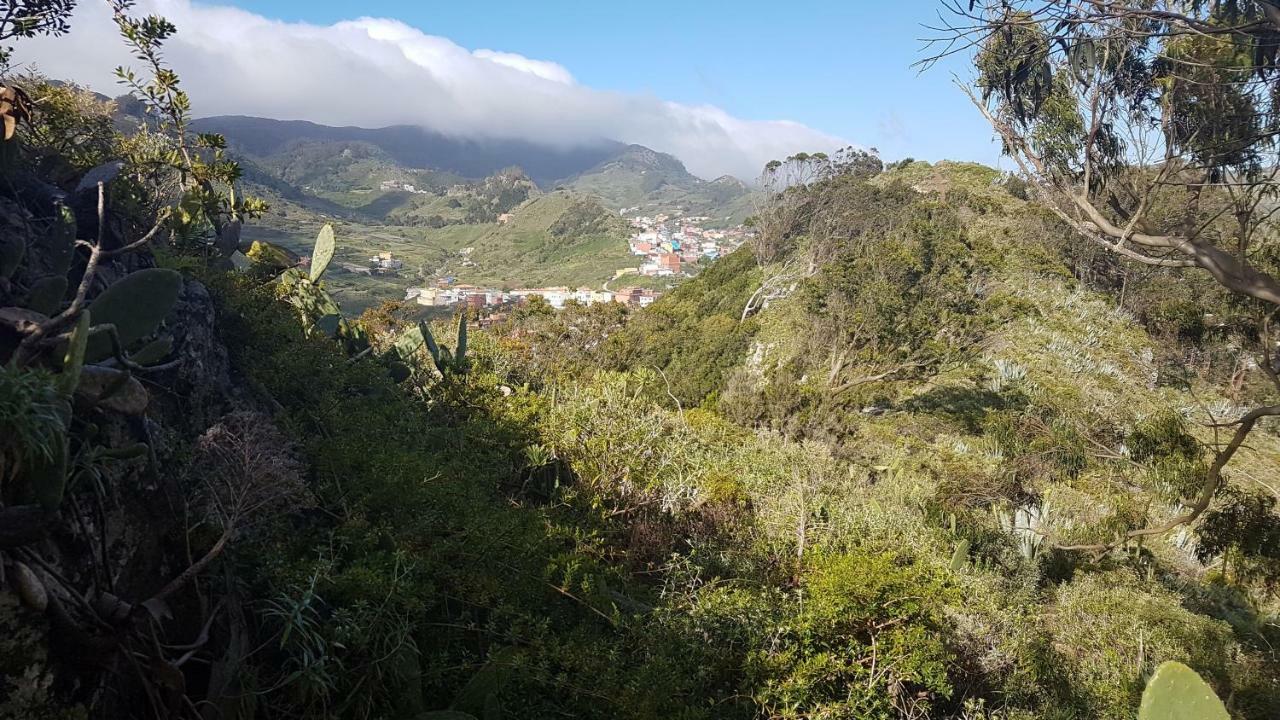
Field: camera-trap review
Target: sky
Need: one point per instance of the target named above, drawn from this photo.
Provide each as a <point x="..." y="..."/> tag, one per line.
<point x="724" y="86"/>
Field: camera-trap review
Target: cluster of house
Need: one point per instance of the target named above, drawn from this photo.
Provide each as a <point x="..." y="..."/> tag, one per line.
<point x="383" y="263"/>
<point x="396" y="185"/>
<point x="445" y="294"/>
<point x="668" y="244"/>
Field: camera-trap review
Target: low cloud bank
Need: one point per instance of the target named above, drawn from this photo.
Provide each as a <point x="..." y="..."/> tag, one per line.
<point x="373" y="72"/>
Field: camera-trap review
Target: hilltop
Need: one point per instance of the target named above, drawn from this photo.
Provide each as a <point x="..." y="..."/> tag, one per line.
<point x="649" y="182"/>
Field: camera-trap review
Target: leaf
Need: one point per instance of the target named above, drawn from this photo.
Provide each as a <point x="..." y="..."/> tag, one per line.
<point x="322" y="255"/>
<point x="430" y="339"/>
<point x="460" y="353"/>
<point x="136" y="304"/>
<point x="12" y="250"/>
<point x="73" y="360"/>
<point x="1176" y="692"/>
<point x="154" y="351"/>
<point x="58" y="247"/>
<point x="46" y="294"/>
<point x="329" y="324"/>
<point x="21" y="319"/>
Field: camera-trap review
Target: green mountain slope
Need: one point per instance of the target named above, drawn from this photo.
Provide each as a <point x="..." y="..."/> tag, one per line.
<point x="554" y="239"/>
<point x="653" y="182"/>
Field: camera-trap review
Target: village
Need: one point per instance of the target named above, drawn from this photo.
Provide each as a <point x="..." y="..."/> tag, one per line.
<point x="667" y="248"/>
<point x="670" y="245"/>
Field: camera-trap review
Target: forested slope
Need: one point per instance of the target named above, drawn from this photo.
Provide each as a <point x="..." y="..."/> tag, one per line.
<point x="917" y="452"/>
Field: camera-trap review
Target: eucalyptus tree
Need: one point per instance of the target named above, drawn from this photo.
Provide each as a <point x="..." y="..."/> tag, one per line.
<point x="1151" y="128"/>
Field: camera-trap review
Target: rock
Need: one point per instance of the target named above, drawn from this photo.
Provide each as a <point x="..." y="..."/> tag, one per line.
<point x="29" y="587"/>
<point x="113" y="390"/>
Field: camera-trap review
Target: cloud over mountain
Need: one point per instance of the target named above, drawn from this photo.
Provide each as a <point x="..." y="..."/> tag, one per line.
<point x="373" y="72"/>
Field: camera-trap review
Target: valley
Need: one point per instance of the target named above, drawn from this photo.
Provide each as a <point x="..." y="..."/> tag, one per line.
<point x="407" y="196"/>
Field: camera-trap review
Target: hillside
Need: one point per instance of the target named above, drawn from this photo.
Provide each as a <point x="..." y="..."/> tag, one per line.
<point x="553" y="239"/>
<point x="410" y="147"/>
<point x="866" y="466"/>
<point x="550" y="239"/>
<point x="1007" y="402"/>
<point x="651" y="182"/>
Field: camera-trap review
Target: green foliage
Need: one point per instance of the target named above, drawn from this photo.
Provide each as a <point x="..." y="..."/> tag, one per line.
<point x="867" y="642"/>
<point x="694" y="333"/>
<point x="1176" y="692"/>
<point x="322" y="255"/>
<point x="1119" y="629"/>
<point x="1244" y="530"/>
<point x="73" y="360"/>
<point x="136" y="305"/>
<point x="32" y="423"/>
<point x="31" y="18"/>
<point x="45" y="295"/>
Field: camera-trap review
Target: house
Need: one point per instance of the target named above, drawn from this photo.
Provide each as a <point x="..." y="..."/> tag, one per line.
<point x="385" y="261"/>
<point x="669" y="261"/>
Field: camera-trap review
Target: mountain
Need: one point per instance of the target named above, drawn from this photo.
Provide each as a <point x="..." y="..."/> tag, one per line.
<point x="328" y="160"/>
<point x="638" y="177"/>
<point x="413" y="147"/>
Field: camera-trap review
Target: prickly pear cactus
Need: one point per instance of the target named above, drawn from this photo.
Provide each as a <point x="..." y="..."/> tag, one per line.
<point x="960" y="557"/>
<point x="136" y="304"/>
<point x="45" y="295"/>
<point x="460" y="354"/>
<point x="58" y="247"/>
<point x="1176" y="692"/>
<point x="425" y="330"/>
<point x="73" y="360"/>
<point x="322" y="255"/>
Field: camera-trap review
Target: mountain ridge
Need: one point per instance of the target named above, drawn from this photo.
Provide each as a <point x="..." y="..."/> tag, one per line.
<point x="414" y="147"/>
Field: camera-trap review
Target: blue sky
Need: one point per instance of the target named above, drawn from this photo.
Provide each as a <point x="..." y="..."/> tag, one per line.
<point x="842" y="68"/>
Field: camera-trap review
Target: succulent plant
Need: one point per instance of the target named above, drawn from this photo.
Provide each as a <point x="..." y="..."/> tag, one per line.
<point x="46" y="294"/>
<point x="30" y="588"/>
<point x="460" y="354"/>
<point x="399" y="371"/>
<point x="445" y="360"/>
<point x="136" y="305"/>
<point x="58" y="246"/>
<point x="271" y="256"/>
<point x="114" y="390"/>
<point x="322" y="255"/>
<point x="154" y="351"/>
<point x="329" y="324"/>
<point x="73" y="359"/>
<point x="960" y="557"/>
<point x="1176" y="692"/>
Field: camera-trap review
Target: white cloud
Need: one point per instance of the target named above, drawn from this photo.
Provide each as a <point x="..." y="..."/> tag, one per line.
<point x="373" y="72"/>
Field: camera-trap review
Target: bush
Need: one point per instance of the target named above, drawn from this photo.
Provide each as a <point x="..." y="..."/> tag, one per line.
<point x="866" y="640"/>
<point x="1110" y="631"/>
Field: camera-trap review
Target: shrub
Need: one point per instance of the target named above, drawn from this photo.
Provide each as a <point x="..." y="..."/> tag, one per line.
<point x="1111" y="630"/>
<point x="865" y="641"/>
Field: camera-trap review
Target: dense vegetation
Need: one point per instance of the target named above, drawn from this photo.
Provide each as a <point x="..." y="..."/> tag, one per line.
<point x="897" y="459"/>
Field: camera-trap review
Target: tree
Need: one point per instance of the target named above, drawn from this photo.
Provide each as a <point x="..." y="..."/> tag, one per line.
<point x="1151" y="129"/>
<point x="29" y="18"/>
<point x="793" y="195"/>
